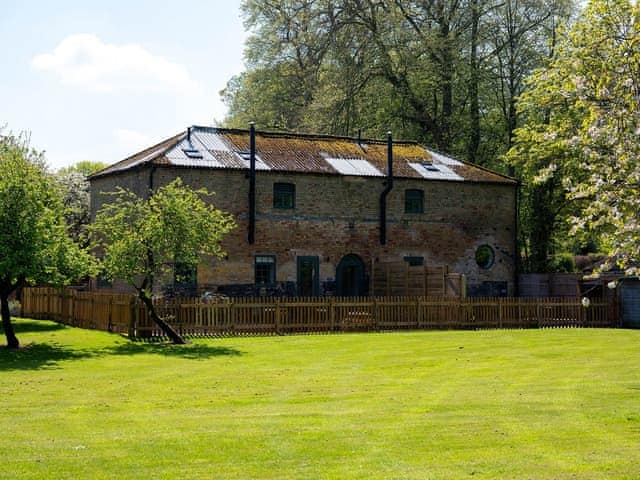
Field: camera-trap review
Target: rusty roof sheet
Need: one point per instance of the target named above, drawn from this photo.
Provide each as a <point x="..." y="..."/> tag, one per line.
<point x="220" y="148"/>
<point x="145" y="156"/>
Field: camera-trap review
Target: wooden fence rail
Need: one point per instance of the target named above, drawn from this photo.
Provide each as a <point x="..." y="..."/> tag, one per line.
<point x="268" y="316"/>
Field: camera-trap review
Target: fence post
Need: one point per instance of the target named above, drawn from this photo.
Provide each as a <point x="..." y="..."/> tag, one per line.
<point x="500" y="312"/>
<point x="376" y="314"/>
<point x="133" y="313"/>
<point x="277" y="315"/>
<point x="110" y="315"/>
<point x="332" y="315"/>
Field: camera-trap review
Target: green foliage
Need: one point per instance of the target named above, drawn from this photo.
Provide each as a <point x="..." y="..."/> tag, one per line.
<point x="75" y="191"/>
<point x="75" y="188"/>
<point x="142" y="238"/>
<point x="496" y="404"/>
<point x="34" y="245"/>
<point x="84" y="167"/>
<point x="562" y="263"/>
<point x="445" y="72"/>
<point x="579" y="145"/>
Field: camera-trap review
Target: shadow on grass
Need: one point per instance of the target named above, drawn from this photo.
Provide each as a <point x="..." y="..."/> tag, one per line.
<point x="34" y="326"/>
<point x="38" y="356"/>
<point x="42" y="356"/>
<point x="193" y="351"/>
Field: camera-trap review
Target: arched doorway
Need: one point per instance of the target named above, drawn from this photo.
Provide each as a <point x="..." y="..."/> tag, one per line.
<point x="350" y="277"/>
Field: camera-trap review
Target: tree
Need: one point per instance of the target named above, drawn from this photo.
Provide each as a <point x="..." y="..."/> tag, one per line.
<point x="74" y="184"/>
<point x="84" y="167"/>
<point x="445" y="72"/>
<point x="579" y="147"/>
<point x="141" y="239"/>
<point x="34" y="245"/>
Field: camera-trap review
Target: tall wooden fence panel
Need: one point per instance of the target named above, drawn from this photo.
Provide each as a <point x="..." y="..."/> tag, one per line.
<point x="277" y="316"/>
<point x="100" y="311"/>
<point x="391" y="279"/>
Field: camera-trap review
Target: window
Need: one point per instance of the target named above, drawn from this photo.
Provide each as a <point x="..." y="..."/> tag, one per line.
<point x="265" y="266"/>
<point x="485" y="256"/>
<point x="284" y="195"/>
<point x="414" y="261"/>
<point x="413" y="201"/>
<point x="430" y="166"/>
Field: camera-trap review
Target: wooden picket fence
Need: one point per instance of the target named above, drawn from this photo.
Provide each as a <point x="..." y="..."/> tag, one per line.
<point x="270" y="316"/>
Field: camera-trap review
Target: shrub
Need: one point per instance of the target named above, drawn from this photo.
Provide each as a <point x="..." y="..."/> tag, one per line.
<point x="562" y="263"/>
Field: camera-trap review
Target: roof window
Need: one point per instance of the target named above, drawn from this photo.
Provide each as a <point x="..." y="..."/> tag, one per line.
<point x="430" y="166"/>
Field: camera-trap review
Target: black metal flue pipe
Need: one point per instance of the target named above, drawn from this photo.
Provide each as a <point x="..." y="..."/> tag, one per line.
<point x="252" y="184"/>
<point x="385" y="192"/>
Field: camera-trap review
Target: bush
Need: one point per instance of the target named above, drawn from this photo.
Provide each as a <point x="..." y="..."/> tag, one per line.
<point x="562" y="263"/>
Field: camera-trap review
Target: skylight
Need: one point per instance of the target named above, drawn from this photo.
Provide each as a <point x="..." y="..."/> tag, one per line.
<point x="430" y="166"/>
<point x="246" y="160"/>
<point x="435" y="172"/>
<point x="354" y="166"/>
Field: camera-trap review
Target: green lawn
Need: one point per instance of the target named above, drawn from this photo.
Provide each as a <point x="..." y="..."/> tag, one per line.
<point x="529" y="404"/>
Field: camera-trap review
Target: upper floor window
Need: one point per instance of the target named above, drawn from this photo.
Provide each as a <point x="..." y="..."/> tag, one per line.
<point x="413" y="201"/>
<point x="284" y="195"/>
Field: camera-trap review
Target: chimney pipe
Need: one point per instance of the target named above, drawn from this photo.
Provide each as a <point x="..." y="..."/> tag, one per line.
<point x="385" y="192"/>
<point x="251" y="237"/>
<point x="359" y="137"/>
<point x="189" y="134"/>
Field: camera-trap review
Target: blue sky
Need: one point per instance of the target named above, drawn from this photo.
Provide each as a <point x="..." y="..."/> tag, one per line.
<point x="99" y="80"/>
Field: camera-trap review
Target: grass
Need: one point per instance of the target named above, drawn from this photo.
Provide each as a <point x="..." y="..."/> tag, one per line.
<point x="534" y="404"/>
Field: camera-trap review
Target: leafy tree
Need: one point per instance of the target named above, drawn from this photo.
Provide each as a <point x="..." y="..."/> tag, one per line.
<point x="75" y="190"/>
<point x="144" y="238"/>
<point x="75" y="187"/>
<point x="579" y="149"/>
<point x="446" y="72"/>
<point x="34" y="245"/>
<point x="84" y="167"/>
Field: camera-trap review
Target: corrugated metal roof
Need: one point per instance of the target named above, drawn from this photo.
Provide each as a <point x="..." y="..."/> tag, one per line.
<point x="354" y="166"/>
<point x="190" y="152"/>
<point x="210" y="147"/>
<point x="145" y="156"/>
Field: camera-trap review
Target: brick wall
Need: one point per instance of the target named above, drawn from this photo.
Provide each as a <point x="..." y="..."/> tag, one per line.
<point x="338" y="215"/>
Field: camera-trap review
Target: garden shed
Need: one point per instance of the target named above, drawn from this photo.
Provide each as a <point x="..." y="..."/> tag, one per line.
<point x="629" y="295"/>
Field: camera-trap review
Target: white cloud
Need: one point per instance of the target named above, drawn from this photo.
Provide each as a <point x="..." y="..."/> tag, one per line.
<point x="85" y="61"/>
<point x="131" y="141"/>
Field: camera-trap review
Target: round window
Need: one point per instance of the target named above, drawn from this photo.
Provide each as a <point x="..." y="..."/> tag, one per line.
<point x="485" y="256"/>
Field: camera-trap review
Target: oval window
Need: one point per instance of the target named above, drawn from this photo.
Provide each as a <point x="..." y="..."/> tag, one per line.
<point x="485" y="256"/>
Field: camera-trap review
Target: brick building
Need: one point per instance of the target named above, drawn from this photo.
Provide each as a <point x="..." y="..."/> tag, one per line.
<point x="318" y="213"/>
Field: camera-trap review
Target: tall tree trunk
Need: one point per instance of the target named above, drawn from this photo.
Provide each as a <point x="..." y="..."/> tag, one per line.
<point x="447" y="71"/>
<point x="542" y="227"/>
<point x="474" y="107"/>
<point x="12" y="340"/>
<point x="168" y="330"/>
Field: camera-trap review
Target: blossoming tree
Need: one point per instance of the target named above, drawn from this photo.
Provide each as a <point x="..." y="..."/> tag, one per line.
<point x="581" y="141"/>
